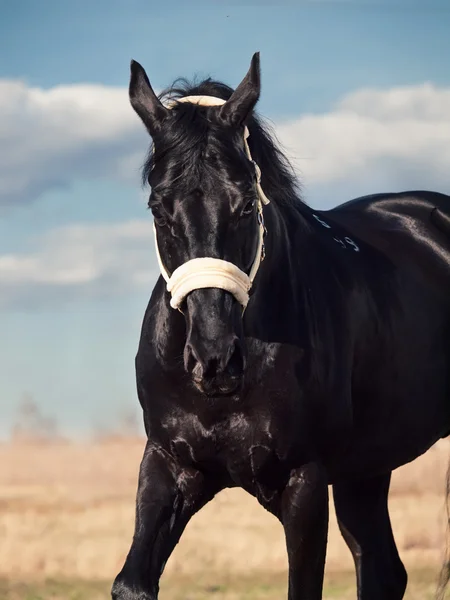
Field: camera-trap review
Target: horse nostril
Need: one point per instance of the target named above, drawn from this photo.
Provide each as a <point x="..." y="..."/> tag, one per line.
<point x="234" y="365"/>
<point x="192" y="363"/>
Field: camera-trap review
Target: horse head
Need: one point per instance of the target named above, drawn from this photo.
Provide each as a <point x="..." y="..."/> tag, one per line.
<point x="206" y="199"/>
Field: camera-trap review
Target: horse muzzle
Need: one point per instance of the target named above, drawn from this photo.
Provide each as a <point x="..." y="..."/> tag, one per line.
<point x="216" y="369"/>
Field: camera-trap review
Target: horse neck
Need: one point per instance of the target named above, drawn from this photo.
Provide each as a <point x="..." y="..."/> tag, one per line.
<point x="278" y="285"/>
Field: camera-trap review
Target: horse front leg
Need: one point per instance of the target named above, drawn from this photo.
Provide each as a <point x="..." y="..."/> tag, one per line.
<point x="304" y="514"/>
<point x="167" y="497"/>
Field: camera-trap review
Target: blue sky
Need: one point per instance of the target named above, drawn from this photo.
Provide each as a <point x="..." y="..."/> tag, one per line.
<point x="358" y="92"/>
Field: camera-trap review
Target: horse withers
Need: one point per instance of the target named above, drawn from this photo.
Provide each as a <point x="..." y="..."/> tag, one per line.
<point x="283" y="348"/>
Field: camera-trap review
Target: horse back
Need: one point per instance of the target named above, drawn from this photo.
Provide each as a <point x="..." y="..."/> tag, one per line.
<point x="411" y="228"/>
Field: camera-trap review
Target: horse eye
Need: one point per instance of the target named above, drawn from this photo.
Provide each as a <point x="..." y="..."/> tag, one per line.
<point x="158" y="214"/>
<point x="248" y="209"/>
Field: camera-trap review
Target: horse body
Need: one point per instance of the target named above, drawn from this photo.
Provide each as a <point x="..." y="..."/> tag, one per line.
<point x="401" y="394"/>
<point x="362" y="372"/>
<point x="346" y="352"/>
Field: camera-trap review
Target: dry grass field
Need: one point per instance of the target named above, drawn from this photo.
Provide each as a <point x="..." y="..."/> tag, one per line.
<point x="66" y="520"/>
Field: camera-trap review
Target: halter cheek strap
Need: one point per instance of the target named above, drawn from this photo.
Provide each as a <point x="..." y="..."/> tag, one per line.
<point x="214" y="272"/>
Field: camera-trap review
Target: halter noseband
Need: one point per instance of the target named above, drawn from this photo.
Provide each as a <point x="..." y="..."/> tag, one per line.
<point x="214" y="272"/>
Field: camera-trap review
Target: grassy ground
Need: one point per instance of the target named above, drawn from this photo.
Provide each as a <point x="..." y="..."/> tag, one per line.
<point x="339" y="586"/>
<point x="67" y="515"/>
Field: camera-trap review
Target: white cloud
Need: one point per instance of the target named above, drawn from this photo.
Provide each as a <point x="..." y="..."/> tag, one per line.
<point x="80" y="260"/>
<point x="376" y="140"/>
<point x="371" y="140"/>
<point x="52" y="137"/>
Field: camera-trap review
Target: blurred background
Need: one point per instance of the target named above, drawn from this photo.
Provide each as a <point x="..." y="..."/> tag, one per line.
<point x="359" y="95"/>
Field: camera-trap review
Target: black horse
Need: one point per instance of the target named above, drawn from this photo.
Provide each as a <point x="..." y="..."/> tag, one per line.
<point x="337" y="372"/>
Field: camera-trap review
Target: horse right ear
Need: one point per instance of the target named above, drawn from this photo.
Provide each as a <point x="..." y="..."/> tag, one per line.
<point x="144" y="100"/>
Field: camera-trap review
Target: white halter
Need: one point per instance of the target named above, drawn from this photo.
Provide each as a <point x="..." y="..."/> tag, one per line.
<point x="214" y="272"/>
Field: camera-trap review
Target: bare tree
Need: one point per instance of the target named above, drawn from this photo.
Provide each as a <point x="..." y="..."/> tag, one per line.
<point x="31" y="424"/>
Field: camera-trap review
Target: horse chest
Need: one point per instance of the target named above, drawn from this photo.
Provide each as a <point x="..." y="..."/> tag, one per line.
<point x="243" y="450"/>
<point x="252" y="440"/>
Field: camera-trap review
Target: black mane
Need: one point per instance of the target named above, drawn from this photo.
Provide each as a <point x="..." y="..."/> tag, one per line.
<point x="278" y="177"/>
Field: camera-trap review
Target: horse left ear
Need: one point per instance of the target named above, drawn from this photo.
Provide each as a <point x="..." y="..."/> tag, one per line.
<point x="236" y="110"/>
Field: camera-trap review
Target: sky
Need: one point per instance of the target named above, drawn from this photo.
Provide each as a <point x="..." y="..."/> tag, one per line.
<point x="358" y="93"/>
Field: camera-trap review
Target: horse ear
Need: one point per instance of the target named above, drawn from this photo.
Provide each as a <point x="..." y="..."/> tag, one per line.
<point x="144" y="100"/>
<point x="246" y="95"/>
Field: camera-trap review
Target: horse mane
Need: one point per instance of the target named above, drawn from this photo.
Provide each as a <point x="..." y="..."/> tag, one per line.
<point x="278" y="176"/>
